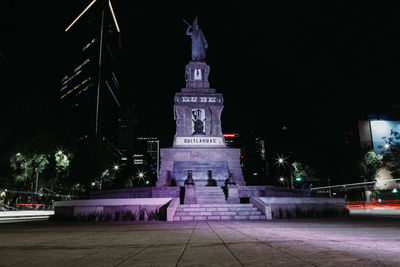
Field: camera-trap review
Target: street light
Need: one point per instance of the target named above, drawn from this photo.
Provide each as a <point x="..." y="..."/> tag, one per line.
<point x="281" y="160"/>
<point x="282" y="180"/>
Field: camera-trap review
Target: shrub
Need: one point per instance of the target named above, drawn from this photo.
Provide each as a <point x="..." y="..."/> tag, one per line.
<point x="107" y="217"/>
<point x="91" y="217"/>
<point x="153" y="215"/>
<point x="117" y="215"/>
<point x="142" y="213"/>
<point x="129" y="215"/>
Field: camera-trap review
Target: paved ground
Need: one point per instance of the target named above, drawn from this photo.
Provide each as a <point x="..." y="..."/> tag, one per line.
<point x="355" y="241"/>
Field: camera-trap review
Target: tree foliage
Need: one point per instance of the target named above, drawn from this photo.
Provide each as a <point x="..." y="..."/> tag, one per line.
<point x="370" y="164"/>
<point x="26" y="166"/>
<point x="303" y="171"/>
<point x="392" y="160"/>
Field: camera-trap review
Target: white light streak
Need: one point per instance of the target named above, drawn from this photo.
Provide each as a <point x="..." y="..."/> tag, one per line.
<point x="113" y="15"/>
<point x="80" y="15"/>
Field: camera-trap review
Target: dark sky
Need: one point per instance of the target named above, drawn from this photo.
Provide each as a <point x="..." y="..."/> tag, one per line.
<point x="315" y="67"/>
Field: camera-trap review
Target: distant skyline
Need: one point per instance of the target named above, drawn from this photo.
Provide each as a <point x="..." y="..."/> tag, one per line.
<point x="315" y="68"/>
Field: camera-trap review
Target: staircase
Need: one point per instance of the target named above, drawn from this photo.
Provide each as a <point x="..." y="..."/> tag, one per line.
<point x="212" y="205"/>
<point x="210" y="195"/>
<point x="204" y="212"/>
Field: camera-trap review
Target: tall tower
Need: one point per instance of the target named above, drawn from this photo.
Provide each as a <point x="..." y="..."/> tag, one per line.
<point x="199" y="149"/>
<point x="90" y="91"/>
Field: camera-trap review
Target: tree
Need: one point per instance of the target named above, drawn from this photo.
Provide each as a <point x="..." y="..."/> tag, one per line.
<point x="370" y="164"/>
<point x="392" y="160"/>
<point x="27" y="168"/>
<point x="303" y="171"/>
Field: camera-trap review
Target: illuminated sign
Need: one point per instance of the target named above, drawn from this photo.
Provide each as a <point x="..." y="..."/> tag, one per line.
<point x="231" y="135"/>
<point x="199" y="141"/>
<point x="198" y="99"/>
<point x="385" y="134"/>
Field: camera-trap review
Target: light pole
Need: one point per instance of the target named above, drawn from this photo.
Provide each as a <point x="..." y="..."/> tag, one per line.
<point x="291" y="176"/>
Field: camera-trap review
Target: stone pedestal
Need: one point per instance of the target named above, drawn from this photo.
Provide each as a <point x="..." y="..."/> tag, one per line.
<point x="190" y="194"/>
<point x="199" y="145"/>
<point x="233" y="194"/>
<point x="175" y="163"/>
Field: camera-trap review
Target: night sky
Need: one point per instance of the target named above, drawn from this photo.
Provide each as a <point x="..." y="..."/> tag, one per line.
<point x="315" y="68"/>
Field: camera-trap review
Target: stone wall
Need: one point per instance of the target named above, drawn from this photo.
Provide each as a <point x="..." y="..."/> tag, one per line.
<point x="213" y="157"/>
<point x="300" y="207"/>
<point x="139" y="209"/>
<point x="175" y="192"/>
<point x="272" y="191"/>
<point x="138" y="192"/>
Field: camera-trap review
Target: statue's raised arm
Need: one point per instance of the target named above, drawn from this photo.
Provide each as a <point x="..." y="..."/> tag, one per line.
<point x="199" y="43"/>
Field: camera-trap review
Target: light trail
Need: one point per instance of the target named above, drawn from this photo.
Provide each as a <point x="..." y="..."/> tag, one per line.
<point x="348" y="185"/>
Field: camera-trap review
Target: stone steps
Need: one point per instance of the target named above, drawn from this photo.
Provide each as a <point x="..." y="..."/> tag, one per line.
<point x="208" y="188"/>
<point x="210" y="194"/>
<point x="218" y="208"/>
<point x="210" y="200"/>
<point x="211" y="218"/>
<point x="216" y="213"/>
<point x="216" y="205"/>
<point x="192" y="212"/>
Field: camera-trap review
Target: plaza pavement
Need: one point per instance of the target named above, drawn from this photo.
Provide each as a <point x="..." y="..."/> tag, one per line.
<point x="354" y="241"/>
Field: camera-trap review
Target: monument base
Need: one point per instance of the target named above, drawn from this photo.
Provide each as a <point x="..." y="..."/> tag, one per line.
<point x="209" y="166"/>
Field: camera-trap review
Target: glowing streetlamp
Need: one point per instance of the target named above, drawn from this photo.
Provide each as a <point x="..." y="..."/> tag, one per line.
<point x="282" y="161"/>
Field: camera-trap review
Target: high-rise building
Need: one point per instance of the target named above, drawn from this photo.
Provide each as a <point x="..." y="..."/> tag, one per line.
<point x="90" y="91"/>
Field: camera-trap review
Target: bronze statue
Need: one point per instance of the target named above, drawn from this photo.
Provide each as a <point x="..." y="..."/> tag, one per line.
<point x="199" y="43"/>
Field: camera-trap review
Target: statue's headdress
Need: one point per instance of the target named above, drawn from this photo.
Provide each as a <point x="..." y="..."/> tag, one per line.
<point x="195" y="21"/>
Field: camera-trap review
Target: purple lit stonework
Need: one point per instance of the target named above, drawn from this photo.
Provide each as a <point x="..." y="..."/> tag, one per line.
<point x="200" y="177"/>
<point x="199" y="145"/>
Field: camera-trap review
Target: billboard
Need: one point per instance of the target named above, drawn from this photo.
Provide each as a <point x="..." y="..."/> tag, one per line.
<point x="385" y="134"/>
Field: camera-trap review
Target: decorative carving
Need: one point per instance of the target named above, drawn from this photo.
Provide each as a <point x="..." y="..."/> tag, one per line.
<point x="198" y="119"/>
<point x="180" y="117"/>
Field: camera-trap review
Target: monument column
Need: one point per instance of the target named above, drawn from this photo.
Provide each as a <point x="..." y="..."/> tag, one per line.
<point x="199" y="145"/>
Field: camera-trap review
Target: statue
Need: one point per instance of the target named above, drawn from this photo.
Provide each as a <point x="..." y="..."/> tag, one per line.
<point x="198" y="127"/>
<point x="189" y="180"/>
<point x="199" y="43"/>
